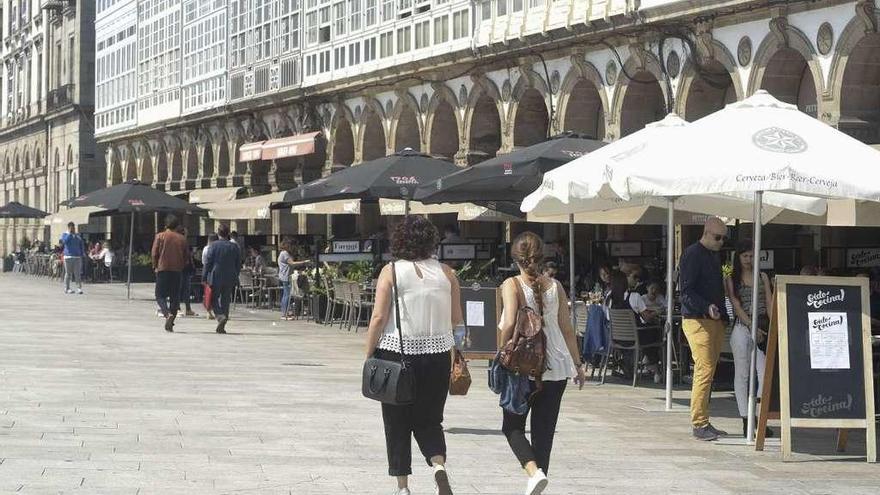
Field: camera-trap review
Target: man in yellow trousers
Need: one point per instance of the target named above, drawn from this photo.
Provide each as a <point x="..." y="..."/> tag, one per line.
<point x="704" y="317"/>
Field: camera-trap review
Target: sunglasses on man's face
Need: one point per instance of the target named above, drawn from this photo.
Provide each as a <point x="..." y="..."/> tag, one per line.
<point x="719" y="237"/>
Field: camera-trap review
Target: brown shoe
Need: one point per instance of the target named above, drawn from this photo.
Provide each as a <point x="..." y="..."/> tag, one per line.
<point x="169" y="322"/>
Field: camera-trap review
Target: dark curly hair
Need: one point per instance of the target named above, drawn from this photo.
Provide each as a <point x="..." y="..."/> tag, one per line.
<point x="414" y="238"/>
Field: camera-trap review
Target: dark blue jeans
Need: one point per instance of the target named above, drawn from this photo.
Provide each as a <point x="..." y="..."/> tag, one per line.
<point x="221" y="297"/>
<point x="285" y="296"/>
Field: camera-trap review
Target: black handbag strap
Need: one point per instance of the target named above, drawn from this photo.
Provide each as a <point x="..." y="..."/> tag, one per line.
<point x="397" y="308"/>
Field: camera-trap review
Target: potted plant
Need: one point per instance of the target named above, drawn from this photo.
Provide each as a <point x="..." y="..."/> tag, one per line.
<point x="142" y="268"/>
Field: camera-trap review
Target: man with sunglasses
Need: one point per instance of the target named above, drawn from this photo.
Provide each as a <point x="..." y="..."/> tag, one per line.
<point x="703" y="319"/>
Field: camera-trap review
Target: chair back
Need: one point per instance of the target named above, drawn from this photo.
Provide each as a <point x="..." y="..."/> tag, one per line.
<point x="245" y="279"/>
<point x="355" y="292"/>
<point x="580" y="317"/>
<point x="623" y="324"/>
<point x="294" y="286"/>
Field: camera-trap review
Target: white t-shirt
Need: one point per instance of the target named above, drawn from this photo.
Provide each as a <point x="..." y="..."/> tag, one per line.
<point x="106" y="255"/>
<point x="658" y="304"/>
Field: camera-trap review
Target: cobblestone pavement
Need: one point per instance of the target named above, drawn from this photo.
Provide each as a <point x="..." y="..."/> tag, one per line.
<point x="96" y="398"/>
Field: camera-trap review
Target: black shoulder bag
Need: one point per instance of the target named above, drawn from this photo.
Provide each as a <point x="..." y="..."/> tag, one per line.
<point x="390" y="382"/>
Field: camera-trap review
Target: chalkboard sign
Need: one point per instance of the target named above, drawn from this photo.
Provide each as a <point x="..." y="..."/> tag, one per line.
<point x="825" y="362"/>
<point x="481" y="305"/>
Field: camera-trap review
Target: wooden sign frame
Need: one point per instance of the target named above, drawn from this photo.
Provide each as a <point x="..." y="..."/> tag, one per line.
<point x="498" y="308"/>
<point x="779" y="327"/>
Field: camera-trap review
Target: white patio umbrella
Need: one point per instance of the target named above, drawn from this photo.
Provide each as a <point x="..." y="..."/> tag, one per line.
<point x="583" y="185"/>
<point x="759" y="146"/>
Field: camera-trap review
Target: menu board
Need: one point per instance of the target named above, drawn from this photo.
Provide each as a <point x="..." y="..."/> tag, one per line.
<point x="481" y="305"/>
<point x="825" y="363"/>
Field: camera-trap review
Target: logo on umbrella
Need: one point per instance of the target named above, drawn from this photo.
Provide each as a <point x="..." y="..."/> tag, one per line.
<point x="779" y="140"/>
<point x="135" y="202"/>
<point x="508" y="168"/>
<point x="404" y="180"/>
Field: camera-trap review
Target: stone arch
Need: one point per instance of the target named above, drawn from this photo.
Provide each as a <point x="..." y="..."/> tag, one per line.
<point x="442" y="124"/>
<point x="406" y="126"/>
<point x="207" y="168"/>
<point x="130" y="166"/>
<point x="854" y="82"/>
<point x="482" y="122"/>
<point x="17" y="161"/>
<point x="582" y="105"/>
<point x="641" y="100"/>
<point x="162" y="172"/>
<point x="341" y="143"/>
<point x="70" y="155"/>
<point x="38" y="159"/>
<point x="146" y="175"/>
<point x="192" y="162"/>
<point x="372" y="136"/>
<point x="177" y="165"/>
<point x="529" y="114"/>
<point x="789" y="70"/>
<point x="27" y="159"/>
<point x="707" y="88"/>
<point x="223" y="166"/>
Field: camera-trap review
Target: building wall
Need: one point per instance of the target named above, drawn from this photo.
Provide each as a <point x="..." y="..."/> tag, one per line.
<point x="47" y="105"/>
<point x="522" y="72"/>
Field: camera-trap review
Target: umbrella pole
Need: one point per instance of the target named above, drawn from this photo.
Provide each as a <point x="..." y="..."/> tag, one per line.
<point x="670" y="250"/>
<point x="405" y="207"/>
<point x="130" y="248"/>
<point x="571" y="288"/>
<point x="756" y="291"/>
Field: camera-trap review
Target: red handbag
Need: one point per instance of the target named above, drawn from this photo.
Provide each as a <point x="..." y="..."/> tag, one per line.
<point x="208" y="297"/>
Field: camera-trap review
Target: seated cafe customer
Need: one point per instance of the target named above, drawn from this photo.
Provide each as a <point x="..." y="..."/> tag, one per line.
<point x="621" y="297"/>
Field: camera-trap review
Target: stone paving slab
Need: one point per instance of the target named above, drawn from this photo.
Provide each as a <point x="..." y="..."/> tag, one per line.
<point x="96" y="399"/>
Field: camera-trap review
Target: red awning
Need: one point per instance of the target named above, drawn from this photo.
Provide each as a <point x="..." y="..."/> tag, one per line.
<point x="299" y="145"/>
<point x="250" y="152"/>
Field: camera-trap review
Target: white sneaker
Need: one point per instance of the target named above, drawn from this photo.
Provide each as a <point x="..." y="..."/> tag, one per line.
<point x="79" y="291"/>
<point x="68" y="291"/>
<point x="402" y="491"/>
<point x="537" y="483"/>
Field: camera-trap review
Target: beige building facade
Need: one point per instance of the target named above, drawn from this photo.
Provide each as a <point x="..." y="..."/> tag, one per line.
<point x="48" y="152"/>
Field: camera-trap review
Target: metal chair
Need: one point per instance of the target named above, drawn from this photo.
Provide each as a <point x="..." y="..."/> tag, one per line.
<point x="625" y="337"/>
<point x="246" y="288"/>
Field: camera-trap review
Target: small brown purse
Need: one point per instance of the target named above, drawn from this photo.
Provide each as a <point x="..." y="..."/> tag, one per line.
<point x="459" y="376"/>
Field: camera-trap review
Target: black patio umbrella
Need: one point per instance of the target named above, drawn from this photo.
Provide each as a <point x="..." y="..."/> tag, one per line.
<point x="509" y="177"/>
<point x="130" y="198"/>
<point x="14" y="209"/>
<point x="392" y="177"/>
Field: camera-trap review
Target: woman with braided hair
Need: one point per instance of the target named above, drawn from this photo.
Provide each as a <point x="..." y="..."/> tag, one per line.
<point x="547" y="297"/>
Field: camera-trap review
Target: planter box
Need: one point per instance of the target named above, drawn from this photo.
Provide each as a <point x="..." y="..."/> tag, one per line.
<point x="139" y="274"/>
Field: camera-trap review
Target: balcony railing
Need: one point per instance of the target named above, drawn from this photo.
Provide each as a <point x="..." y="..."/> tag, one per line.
<point x="60" y="97"/>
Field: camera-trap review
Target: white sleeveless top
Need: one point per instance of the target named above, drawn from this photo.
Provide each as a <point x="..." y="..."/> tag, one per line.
<point x="560" y="365"/>
<point x="425" y="309"/>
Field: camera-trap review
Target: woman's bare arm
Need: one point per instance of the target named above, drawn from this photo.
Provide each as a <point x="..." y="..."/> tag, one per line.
<point x="511" y="305"/>
<point x="457" y="314"/>
<point x="381" y="310"/>
<point x="564" y="319"/>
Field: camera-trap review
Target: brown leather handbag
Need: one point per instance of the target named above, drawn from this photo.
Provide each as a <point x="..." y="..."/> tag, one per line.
<point x="524" y="354"/>
<point x="459" y="376"/>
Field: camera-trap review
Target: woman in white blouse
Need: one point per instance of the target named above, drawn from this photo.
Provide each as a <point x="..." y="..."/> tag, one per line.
<point x="430" y="307"/>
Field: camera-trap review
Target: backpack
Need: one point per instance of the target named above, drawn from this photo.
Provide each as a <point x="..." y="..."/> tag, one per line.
<point x="525" y="353"/>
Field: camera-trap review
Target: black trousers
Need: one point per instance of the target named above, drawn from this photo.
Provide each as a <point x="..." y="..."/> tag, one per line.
<point x="168" y="292"/>
<point x="422" y="419"/>
<point x="186" y="290"/>
<point x="545" y="412"/>
<point x="221" y="297"/>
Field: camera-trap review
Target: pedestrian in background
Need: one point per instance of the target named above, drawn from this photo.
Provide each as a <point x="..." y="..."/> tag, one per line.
<point x="211" y="239"/>
<point x="547" y="297"/>
<point x="222" y="265"/>
<point x="427" y="295"/>
<point x="74" y="249"/>
<point x="186" y="275"/>
<point x="285" y="262"/>
<point x="169" y="252"/>
<point x="703" y="319"/>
